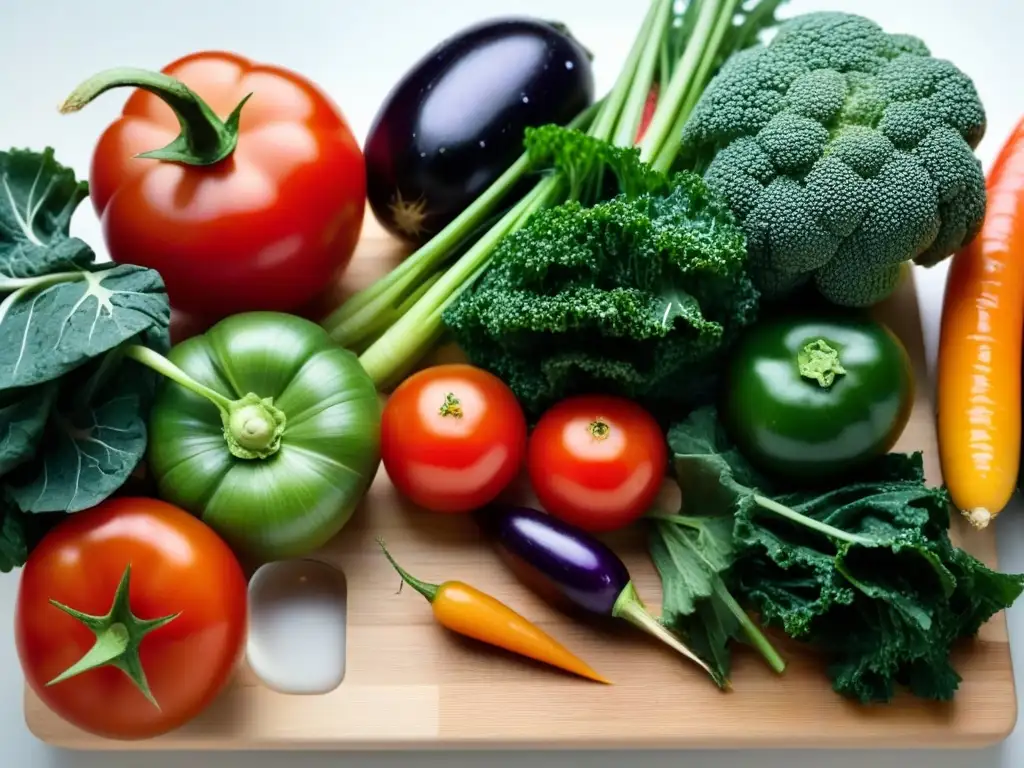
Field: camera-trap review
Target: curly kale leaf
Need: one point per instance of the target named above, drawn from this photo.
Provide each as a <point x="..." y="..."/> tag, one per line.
<point x="639" y="296"/>
<point x="585" y="163"/>
<point x="866" y="572"/>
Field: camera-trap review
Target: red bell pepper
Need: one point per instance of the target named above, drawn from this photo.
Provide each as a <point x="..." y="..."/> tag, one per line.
<point x="259" y="209"/>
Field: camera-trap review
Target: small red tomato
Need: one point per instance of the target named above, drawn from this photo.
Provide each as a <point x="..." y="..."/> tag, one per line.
<point x="452" y="437"/>
<point x="597" y="462"/>
<point x="130" y="618"/>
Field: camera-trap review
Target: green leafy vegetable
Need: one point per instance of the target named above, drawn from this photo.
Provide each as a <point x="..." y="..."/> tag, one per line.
<point x="54" y="330"/>
<point x="677" y="50"/>
<point x="584" y="161"/>
<point x="37" y="198"/>
<point x="97" y="436"/>
<point x="638" y="296"/>
<point x="693" y="556"/>
<point x="72" y="418"/>
<point x="866" y="572"/>
<point x="23" y="414"/>
<point x="13" y="538"/>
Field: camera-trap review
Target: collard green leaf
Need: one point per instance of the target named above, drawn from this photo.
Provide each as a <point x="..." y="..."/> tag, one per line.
<point x="46" y="334"/>
<point x="712" y="474"/>
<point x="37" y="199"/>
<point x="95" y="438"/>
<point x="23" y="414"/>
<point x="14" y="545"/>
<point x="690" y="554"/>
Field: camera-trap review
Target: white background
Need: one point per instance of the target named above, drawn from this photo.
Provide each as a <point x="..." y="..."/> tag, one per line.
<point x="356" y="50"/>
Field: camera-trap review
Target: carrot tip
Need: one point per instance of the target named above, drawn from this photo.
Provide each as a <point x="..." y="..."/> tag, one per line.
<point x="979" y="517"/>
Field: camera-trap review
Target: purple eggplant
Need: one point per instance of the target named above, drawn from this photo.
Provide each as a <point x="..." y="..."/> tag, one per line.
<point x="567" y="565"/>
<point x="454" y="122"/>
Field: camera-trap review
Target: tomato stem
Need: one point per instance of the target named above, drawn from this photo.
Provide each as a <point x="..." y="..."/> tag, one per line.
<point x="599" y="429"/>
<point x="426" y="589"/>
<point x="451" y="406"/>
<point x="253" y="425"/>
<point x="119" y="634"/>
<point x="204" y="139"/>
<point x="163" y="366"/>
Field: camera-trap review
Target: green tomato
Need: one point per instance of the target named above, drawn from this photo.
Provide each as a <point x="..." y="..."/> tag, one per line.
<point x="808" y="398"/>
<point x="271" y="436"/>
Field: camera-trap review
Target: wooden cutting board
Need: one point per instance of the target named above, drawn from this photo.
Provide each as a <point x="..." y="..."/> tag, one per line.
<point x="411" y="684"/>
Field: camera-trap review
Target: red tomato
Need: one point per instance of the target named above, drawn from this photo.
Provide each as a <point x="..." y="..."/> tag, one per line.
<point x="597" y="462"/>
<point x="452" y="437"/>
<point x="266" y="227"/>
<point x="178" y="566"/>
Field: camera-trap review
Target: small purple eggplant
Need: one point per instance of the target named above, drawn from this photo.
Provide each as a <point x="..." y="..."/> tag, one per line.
<point x="563" y="563"/>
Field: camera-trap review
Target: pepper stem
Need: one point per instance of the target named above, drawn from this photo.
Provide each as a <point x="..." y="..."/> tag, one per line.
<point x="253" y="425"/>
<point x="629" y="607"/>
<point x="820" y="362"/>
<point x="119" y="634"/>
<point x="204" y="139"/>
<point x="426" y="589"/>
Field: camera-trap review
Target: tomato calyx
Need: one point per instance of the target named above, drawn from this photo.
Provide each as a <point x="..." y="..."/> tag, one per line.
<point x="819" y="361"/>
<point x="205" y="139"/>
<point x="118" y="636"/>
<point x="451" y="406"/>
<point x="599" y="429"/>
<point x="253" y="425"/>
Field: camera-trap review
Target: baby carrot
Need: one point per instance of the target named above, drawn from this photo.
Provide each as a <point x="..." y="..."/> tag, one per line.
<point x="979" y="371"/>
<point x="470" y="612"/>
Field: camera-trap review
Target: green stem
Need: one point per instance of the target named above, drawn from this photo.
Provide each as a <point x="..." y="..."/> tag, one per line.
<point x="426" y="589"/>
<point x="609" y="115"/>
<point x="204" y="139"/>
<point x="750" y="629"/>
<point x="253" y="425"/>
<point x="163" y="366"/>
<point x="359" y="317"/>
<point x="629" y="607"/>
<point x="668" y="152"/>
<point x="398" y="349"/>
<point x="810" y="522"/>
<point x="632" y="110"/>
<point x="672" y="97"/>
<point x="119" y="634"/>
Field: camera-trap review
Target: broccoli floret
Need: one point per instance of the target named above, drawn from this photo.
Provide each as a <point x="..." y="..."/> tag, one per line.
<point x="639" y="296"/>
<point x="843" y="151"/>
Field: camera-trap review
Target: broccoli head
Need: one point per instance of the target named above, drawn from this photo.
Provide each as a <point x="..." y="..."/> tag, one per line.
<point x="638" y="295"/>
<point x="843" y="151"/>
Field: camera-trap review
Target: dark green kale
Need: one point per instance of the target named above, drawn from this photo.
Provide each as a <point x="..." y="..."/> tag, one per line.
<point x="866" y="573"/>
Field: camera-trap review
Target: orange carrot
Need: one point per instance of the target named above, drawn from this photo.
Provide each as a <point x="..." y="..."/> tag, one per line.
<point x="979" y="365"/>
<point x="470" y="612"/>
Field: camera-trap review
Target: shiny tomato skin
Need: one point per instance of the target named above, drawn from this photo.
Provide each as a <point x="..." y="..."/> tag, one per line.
<point x="178" y="564"/>
<point x="448" y="463"/>
<point x="595" y="479"/>
<point x="267" y="228"/>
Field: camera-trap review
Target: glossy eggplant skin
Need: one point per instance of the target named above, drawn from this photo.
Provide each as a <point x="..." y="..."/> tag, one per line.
<point x="455" y="122"/>
<point x="559" y="561"/>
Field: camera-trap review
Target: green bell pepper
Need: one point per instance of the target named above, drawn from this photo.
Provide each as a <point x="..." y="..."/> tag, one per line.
<point x="810" y="398"/>
<point x="269" y="432"/>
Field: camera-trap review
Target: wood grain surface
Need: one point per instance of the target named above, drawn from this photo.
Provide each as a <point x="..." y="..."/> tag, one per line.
<point x="411" y="684"/>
